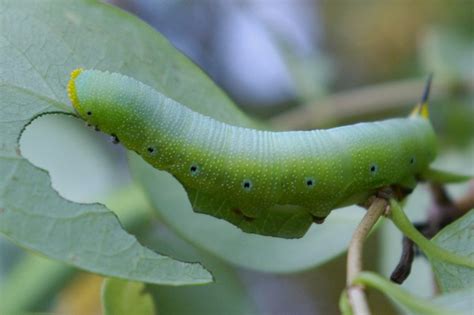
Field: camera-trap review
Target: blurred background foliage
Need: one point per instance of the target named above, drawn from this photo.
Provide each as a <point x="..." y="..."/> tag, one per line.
<point x="276" y="59"/>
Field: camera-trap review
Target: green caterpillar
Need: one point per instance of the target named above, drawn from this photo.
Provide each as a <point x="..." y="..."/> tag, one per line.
<point x="270" y="183"/>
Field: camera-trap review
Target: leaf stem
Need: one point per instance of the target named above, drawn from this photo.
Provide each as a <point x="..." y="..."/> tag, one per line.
<point x="395" y="292"/>
<point x="429" y="248"/>
<point x="356" y="293"/>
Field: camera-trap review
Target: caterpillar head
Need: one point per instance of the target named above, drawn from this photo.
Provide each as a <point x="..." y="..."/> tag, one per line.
<point x="71" y="90"/>
<point x="80" y="101"/>
<point x="112" y="103"/>
<point x="92" y="97"/>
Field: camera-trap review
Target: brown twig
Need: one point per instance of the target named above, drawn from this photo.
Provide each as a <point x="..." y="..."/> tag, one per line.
<point x="356" y="293"/>
<point x="360" y="101"/>
<point x="442" y="212"/>
<point x="403" y="268"/>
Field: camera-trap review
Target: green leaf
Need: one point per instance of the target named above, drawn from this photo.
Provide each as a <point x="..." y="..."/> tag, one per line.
<point x="321" y="243"/>
<point x="430" y="248"/>
<point x="458" y="237"/>
<point x="413" y="304"/>
<point x="344" y="304"/>
<point x="121" y="297"/>
<point x="460" y="301"/>
<point x="56" y="37"/>
<point x="23" y="288"/>
<point x="86" y="236"/>
<point x="226" y="295"/>
<point x="40" y="43"/>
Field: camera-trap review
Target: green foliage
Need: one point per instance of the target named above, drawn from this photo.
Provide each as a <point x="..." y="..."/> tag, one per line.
<point x="344" y="304"/>
<point x="431" y="249"/>
<point x="93" y="43"/>
<point x="459" y="301"/>
<point x="36" y="67"/>
<point x="226" y="295"/>
<point x="121" y="297"/>
<point x="86" y="236"/>
<point x="24" y="287"/>
<point x="459" y="238"/>
<point x="40" y="43"/>
<point x="31" y="282"/>
<point x="410" y="302"/>
<point x="450" y="253"/>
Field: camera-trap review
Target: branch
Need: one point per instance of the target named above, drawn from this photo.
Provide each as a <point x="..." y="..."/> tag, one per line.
<point x="361" y="101"/>
<point x="429" y="248"/>
<point x="354" y="256"/>
<point x="403" y="268"/>
<point x="442" y="212"/>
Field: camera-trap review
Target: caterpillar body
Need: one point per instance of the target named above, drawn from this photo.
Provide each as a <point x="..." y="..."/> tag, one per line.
<point x="270" y="183"/>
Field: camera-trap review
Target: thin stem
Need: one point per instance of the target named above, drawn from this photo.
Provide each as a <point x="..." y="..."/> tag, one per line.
<point x="395" y="292"/>
<point x="429" y="248"/>
<point x="441" y="213"/>
<point x="360" y="101"/>
<point x="354" y="256"/>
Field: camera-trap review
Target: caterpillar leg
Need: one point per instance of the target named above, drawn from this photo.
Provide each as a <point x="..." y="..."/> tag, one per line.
<point x="239" y="212"/>
<point x="398" y="192"/>
<point x="385" y="193"/>
<point x="319" y="220"/>
<point x="250" y="213"/>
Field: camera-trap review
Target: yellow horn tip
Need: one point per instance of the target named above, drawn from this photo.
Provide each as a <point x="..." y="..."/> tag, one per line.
<point x="424" y="112"/>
